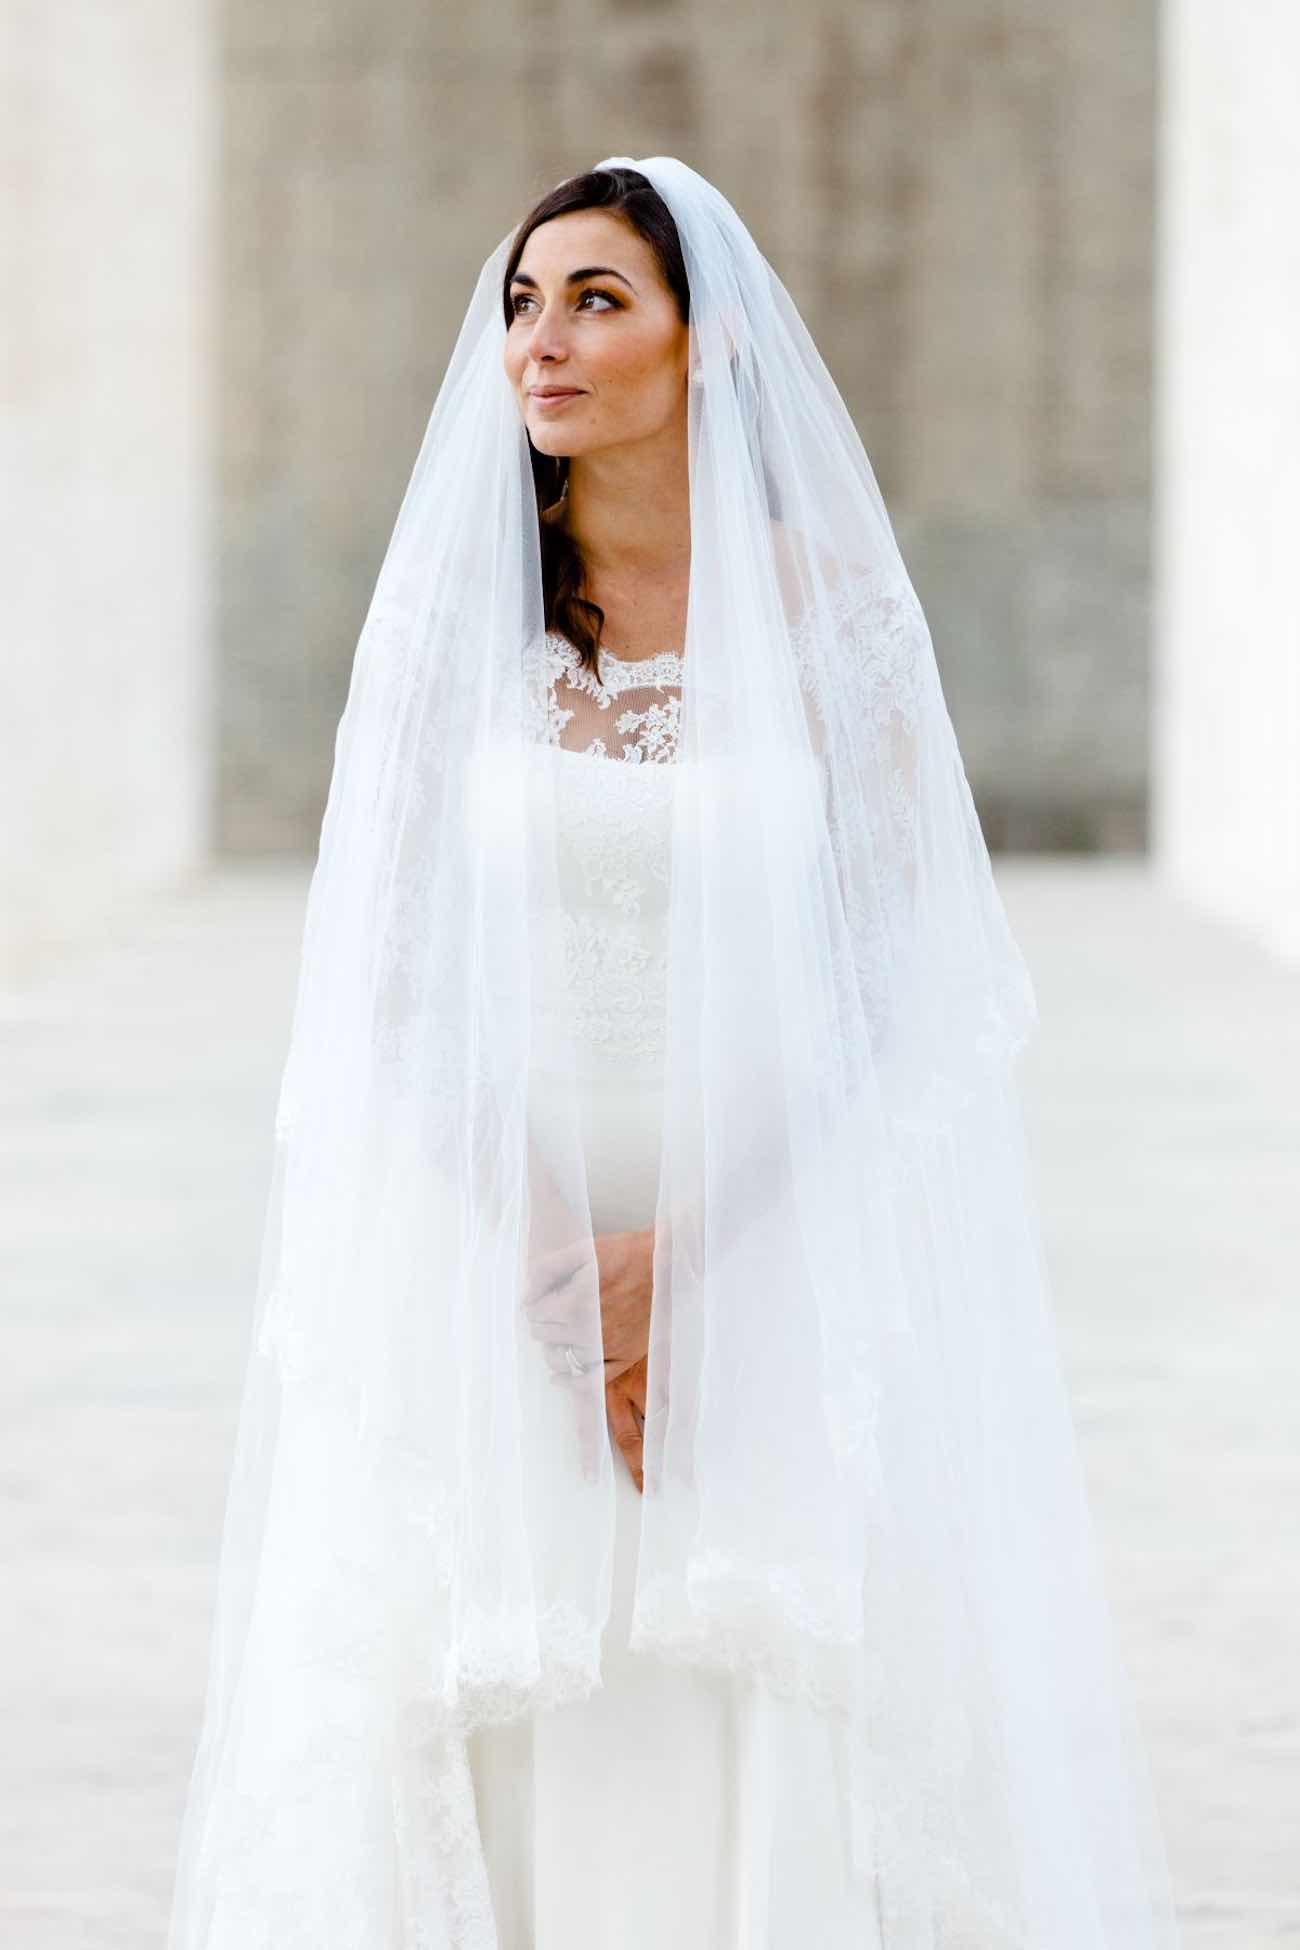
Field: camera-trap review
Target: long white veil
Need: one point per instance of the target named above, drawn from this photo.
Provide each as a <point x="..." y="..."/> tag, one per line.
<point x="861" y="1481"/>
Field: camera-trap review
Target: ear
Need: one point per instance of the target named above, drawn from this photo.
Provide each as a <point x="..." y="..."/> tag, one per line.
<point x="734" y="331"/>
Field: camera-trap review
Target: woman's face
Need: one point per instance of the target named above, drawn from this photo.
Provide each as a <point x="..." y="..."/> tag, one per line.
<point x="591" y="314"/>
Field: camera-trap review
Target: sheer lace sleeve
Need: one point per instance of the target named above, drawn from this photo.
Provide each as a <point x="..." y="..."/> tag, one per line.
<point x="929" y="949"/>
<point x="863" y="691"/>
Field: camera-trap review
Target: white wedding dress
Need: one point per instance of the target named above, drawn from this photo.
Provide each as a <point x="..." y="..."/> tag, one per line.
<point x="674" y="1807"/>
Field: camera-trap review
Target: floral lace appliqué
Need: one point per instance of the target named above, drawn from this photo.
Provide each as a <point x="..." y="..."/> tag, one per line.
<point x="647" y="730"/>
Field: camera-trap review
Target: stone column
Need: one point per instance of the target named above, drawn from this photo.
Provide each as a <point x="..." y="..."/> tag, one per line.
<point x="1226" y="727"/>
<point x="108" y="112"/>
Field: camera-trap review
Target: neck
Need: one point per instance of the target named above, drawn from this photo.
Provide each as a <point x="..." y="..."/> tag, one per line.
<point x="628" y="509"/>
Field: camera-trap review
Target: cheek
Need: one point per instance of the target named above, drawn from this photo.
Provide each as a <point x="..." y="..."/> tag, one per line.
<point x="640" y="382"/>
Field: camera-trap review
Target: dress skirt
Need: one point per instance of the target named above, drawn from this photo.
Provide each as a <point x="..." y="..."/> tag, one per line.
<point x="675" y="1808"/>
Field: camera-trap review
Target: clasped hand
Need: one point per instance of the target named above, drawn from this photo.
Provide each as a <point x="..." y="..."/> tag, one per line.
<point x="555" y="1305"/>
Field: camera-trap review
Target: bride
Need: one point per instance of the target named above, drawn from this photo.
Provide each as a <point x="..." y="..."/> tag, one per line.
<point x="655" y="1515"/>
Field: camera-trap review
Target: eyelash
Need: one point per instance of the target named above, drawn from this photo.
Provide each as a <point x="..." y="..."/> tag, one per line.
<point x="589" y="291"/>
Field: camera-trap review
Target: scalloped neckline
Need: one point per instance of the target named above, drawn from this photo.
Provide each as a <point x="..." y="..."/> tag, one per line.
<point x="607" y="655"/>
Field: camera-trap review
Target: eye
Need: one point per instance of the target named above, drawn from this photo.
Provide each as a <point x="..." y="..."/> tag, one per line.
<point x="590" y="291"/>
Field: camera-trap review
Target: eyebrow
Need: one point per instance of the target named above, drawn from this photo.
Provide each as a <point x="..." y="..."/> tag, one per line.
<point x="576" y="277"/>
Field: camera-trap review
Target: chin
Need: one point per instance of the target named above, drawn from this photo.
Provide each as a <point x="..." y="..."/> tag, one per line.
<point x="559" y="449"/>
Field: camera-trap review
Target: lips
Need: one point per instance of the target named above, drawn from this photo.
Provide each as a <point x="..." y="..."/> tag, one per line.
<point x="556" y="402"/>
<point x="556" y="392"/>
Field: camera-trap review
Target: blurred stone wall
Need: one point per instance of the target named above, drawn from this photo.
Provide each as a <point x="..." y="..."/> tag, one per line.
<point x="959" y="197"/>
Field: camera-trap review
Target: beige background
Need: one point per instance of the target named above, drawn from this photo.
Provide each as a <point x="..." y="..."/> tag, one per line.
<point x="1052" y="256"/>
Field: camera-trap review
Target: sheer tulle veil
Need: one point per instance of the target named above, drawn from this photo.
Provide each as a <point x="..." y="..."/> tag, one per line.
<point x="862" y="1488"/>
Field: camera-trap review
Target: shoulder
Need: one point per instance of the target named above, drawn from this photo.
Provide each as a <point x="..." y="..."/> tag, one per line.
<point x="804" y="564"/>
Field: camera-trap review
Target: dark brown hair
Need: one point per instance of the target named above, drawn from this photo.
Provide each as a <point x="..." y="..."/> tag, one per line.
<point x="624" y="193"/>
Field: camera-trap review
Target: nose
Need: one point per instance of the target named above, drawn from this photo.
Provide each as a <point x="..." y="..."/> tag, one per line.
<point x="546" y="334"/>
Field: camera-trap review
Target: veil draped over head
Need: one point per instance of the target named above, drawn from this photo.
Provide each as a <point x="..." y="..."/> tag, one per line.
<point x="861" y="1481"/>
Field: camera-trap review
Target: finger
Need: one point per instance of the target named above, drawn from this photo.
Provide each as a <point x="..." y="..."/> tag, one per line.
<point x="552" y="1261"/>
<point x="569" y="1331"/>
<point x="622" y="1424"/>
<point x="567" y="1311"/>
<point x="549" y="1271"/>
<point x="591" y="1433"/>
<point x="555" y="1344"/>
<point x="634" y="1386"/>
<point x="625" y="1431"/>
<point x="557" y="1360"/>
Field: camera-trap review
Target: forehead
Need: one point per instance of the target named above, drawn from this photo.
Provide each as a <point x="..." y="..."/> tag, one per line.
<point x="587" y="237"/>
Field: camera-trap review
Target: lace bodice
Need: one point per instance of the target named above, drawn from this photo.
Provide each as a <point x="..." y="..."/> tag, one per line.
<point x="611" y="744"/>
<point x="632" y="712"/>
